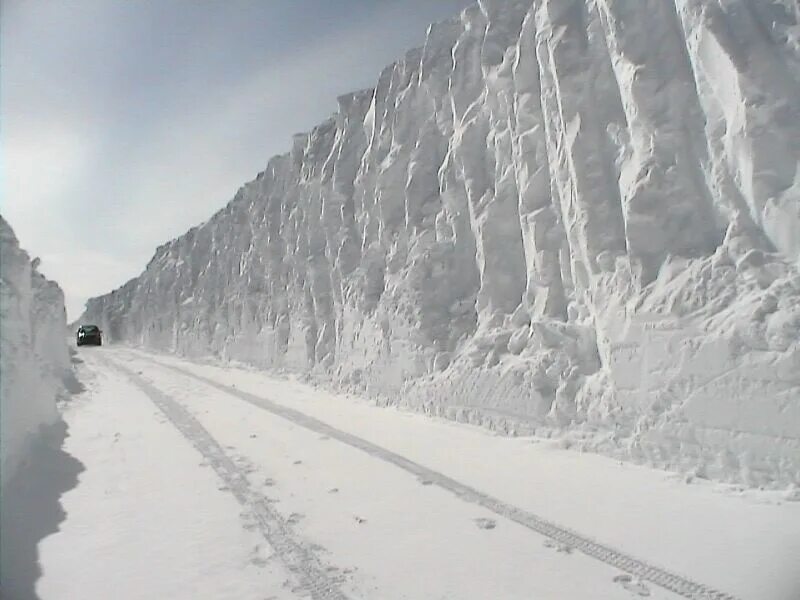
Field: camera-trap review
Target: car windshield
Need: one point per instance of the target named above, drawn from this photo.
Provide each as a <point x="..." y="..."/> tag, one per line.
<point x="89" y="328"/>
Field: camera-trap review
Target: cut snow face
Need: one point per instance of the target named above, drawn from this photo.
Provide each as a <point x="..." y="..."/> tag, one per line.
<point x="34" y="360"/>
<point x="34" y="372"/>
<point x="575" y="219"/>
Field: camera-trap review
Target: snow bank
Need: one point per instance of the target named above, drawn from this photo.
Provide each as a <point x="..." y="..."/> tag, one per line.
<point x="568" y="217"/>
<point x="34" y="358"/>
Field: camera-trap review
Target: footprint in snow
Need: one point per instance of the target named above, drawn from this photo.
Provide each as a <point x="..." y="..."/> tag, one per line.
<point x="333" y="491"/>
<point x="359" y="520"/>
<point x="483" y="523"/>
<point x="632" y="585"/>
<point x="558" y="546"/>
<point x="298" y="462"/>
<point x="259" y="561"/>
<point x="269" y="482"/>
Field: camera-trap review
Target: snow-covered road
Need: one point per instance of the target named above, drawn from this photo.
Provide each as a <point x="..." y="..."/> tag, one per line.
<point x="214" y="482"/>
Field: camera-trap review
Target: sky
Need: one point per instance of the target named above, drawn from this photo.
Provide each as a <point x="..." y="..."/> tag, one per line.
<point x="123" y="123"/>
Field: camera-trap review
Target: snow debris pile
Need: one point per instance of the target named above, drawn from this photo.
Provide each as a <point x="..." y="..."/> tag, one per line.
<point x="34" y="359"/>
<point x="569" y="217"/>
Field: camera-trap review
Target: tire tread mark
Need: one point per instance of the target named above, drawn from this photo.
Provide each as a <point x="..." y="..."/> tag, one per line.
<point x="300" y="560"/>
<point x="645" y="571"/>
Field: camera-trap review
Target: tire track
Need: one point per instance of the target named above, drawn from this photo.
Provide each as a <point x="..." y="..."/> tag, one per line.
<point x="645" y="571"/>
<point x="300" y="560"/>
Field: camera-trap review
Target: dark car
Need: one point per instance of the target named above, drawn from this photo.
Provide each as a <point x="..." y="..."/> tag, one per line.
<point x="90" y="335"/>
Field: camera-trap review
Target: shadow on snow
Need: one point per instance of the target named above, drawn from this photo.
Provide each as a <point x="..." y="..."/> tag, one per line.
<point x="31" y="510"/>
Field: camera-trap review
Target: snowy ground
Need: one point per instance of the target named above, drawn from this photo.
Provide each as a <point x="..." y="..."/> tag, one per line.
<point x="215" y="482"/>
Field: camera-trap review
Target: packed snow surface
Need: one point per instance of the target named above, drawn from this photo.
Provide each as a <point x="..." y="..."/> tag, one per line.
<point x="34" y="359"/>
<point x="217" y="482"/>
<point x="574" y="218"/>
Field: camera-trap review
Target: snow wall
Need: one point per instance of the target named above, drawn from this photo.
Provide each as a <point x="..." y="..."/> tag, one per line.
<point x="579" y="218"/>
<point x="34" y="359"/>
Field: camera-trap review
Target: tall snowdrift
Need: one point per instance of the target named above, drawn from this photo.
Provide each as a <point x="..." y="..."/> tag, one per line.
<point x="34" y="359"/>
<point x="573" y="217"/>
